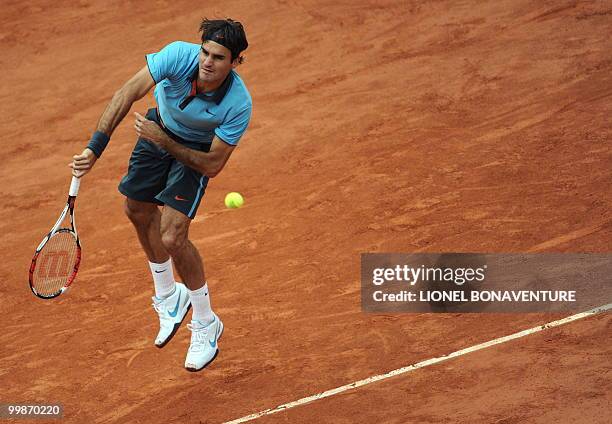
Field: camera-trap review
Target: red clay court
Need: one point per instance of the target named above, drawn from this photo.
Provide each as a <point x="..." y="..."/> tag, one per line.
<point x="378" y="126"/>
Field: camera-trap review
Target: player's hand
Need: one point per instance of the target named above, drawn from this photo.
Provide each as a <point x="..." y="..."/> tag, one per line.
<point x="82" y="164"/>
<point x="149" y="130"/>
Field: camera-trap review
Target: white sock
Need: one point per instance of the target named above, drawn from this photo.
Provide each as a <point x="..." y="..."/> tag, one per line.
<point x="163" y="278"/>
<point x="200" y="302"/>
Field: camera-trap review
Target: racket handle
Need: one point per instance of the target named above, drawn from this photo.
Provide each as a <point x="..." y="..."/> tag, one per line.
<point x="74" y="186"/>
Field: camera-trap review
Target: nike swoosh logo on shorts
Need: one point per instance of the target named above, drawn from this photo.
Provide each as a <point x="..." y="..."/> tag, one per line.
<point x="173" y="313"/>
<point x="180" y="198"/>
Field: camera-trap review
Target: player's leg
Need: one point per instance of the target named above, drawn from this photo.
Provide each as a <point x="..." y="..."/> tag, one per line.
<point x="181" y="198"/>
<point x="171" y="300"/>
<point x="174" y="237"/>
<point x="187" y="260"/>
<point x="146" y="218"/>
<point x="205" y="326"/>
<point x="147" y="174"/>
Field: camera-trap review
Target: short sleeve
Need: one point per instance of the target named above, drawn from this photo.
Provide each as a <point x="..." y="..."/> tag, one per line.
<point x="235" y="127"/>
<point x="165" y="63"/>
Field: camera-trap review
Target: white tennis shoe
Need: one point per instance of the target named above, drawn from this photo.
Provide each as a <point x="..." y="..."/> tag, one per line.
<point x="204" y="343"/>
<point x="171" y="312"/>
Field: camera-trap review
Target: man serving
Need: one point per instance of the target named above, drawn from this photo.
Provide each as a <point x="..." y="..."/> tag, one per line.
<point x="203" y="109"/>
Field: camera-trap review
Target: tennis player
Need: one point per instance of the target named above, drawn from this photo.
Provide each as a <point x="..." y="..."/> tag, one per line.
<point x="203" y="109"/>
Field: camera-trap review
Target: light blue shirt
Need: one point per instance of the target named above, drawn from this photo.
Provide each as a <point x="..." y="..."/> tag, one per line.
<point x="173" y="68"/>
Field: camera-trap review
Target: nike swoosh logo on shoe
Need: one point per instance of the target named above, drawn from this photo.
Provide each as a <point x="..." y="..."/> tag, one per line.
<point x="173" y="313"/>
<point x="213" y="342"/>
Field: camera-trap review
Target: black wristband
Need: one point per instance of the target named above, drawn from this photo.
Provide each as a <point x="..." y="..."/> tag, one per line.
<point x="98" y="143"/>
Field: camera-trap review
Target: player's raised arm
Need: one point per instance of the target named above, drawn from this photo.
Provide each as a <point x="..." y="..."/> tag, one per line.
<point x="134" y="89"/>
<point x="208" y="163"/>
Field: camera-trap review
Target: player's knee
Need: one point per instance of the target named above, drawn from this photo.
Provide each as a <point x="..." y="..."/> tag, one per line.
<point x="173" y="240"/>
<point x="135" y="213"/>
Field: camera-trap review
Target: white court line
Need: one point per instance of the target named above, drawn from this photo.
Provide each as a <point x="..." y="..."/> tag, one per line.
<point x="421" y="364"/>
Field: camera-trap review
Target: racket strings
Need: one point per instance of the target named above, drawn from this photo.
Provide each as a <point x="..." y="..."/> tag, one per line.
<point x="55" y="263"/>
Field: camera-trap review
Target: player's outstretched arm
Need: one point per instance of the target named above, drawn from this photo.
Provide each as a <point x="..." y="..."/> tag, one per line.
<point x="134" y="89"/>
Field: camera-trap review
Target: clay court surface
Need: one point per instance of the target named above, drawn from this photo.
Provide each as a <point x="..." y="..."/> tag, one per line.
<point x="378" y="126"/>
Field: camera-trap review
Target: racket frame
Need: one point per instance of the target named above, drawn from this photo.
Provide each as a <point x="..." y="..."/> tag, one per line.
<point x="68" y="209"/>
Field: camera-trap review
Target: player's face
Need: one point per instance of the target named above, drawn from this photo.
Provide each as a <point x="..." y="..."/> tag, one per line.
<point x="215" y="63"/>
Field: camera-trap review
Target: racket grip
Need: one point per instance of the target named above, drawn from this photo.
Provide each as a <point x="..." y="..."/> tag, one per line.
<point x="74" y="186"/>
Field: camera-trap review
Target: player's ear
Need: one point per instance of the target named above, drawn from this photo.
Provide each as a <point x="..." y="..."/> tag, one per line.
<point x="237" y="61"/>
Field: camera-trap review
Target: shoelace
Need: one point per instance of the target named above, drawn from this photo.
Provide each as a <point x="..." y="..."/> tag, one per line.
<point x="159" y="308"/>
<point x="198" y="337"/>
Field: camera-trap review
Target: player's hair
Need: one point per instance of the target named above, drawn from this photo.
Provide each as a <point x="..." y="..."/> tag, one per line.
<point x="228" y="33"/>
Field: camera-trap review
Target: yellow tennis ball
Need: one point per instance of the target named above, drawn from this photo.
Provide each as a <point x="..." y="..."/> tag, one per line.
<point x="234" y="200"/>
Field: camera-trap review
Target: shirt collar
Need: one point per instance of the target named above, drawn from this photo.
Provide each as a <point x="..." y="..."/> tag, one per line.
<point x="217" y="96"/>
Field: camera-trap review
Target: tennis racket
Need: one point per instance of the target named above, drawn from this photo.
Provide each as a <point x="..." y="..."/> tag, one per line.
<point x="57" y="257"/>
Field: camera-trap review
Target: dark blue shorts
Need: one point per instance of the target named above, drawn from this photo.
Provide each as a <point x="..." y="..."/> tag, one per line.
<point x="155" y="176"/>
